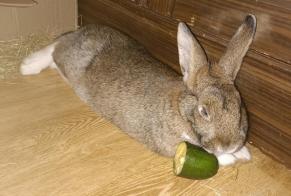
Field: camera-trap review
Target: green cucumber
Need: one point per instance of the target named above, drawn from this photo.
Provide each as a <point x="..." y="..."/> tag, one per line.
<point x="194" y="162"/>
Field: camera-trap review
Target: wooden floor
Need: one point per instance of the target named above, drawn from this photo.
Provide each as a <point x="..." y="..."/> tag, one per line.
<point x="52" y="144"/>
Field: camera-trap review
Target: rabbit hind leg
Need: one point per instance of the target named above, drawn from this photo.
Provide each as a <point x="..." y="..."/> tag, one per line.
<point x="36" y="62"/>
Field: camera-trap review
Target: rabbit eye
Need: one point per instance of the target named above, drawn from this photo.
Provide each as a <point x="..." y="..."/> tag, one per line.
<point x="203" y="112"/>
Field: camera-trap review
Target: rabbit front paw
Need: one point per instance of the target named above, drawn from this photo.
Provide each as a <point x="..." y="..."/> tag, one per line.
<point x="226" y="159"/>
<point x="36" y="62"/>
<point x="243" y="154"/>
<point x="229" y="159"/>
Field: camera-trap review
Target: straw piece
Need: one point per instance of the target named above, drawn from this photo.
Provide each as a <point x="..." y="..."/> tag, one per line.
<point x="216" y="191"/>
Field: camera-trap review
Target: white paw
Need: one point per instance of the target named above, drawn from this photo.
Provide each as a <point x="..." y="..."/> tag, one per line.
<point x="36" y="62"/>
<point x="29" y="69"/>
<point x="243" y="154"/>
<point x="226" y="159"/>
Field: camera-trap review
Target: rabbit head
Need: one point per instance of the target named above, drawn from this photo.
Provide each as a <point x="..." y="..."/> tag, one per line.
<point x="218" y="116"/>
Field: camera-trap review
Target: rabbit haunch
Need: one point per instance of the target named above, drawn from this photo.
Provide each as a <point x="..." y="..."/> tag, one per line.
<point x="146" y="99"/>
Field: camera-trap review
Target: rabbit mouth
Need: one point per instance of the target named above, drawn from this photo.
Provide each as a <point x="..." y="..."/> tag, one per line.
<point x="219" y="151"/>
<point x="208" y="150"/>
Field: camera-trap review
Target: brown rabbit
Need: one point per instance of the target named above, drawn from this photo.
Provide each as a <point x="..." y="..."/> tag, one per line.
<point x="145" y="98"/>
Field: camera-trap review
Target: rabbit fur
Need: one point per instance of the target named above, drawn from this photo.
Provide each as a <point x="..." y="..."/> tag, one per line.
<point x="118" y="78"/>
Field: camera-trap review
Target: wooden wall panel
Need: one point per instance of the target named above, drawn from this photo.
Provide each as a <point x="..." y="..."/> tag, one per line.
<point x="264" y="80"/>
<point x="218" y="18"/>
<point x="161" y="7"/>
<point x="164" y="7"/>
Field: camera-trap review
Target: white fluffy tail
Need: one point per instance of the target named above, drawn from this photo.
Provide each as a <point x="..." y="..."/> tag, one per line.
<point x="36" y="62"/>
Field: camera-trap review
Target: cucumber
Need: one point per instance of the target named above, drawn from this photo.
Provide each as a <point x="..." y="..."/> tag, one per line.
<point x="194" y="162"/>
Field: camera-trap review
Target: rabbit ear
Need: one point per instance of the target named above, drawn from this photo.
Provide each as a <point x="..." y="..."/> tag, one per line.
<point x="238" y="47"/>
<point x="191" y="55"/>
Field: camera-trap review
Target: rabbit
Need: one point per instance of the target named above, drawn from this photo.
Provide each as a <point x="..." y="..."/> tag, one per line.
<point x="145" y="98"/>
